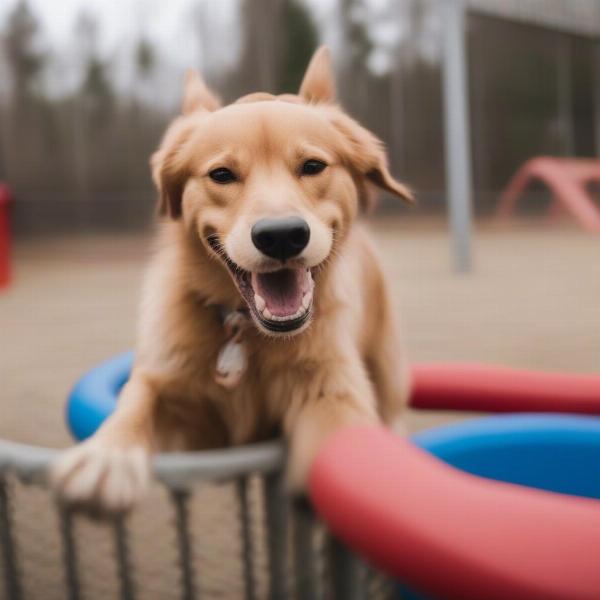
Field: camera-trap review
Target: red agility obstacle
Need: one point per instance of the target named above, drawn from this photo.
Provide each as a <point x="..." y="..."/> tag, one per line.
<point x="568" y="180"/>
<point x="486" y="388"/>
<point x="496" y="507"/>
<point x="449" y="533"/>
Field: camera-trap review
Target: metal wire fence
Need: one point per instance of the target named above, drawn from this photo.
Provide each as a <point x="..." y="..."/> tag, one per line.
<point x="215" y="525"/>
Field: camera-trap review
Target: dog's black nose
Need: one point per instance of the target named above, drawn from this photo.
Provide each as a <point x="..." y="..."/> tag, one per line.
<point x="281" y="238"/>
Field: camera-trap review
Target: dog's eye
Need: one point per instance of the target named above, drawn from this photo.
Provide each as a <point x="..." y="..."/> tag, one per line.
<point x="222" y="175"/>
<point x="313" y="167"/>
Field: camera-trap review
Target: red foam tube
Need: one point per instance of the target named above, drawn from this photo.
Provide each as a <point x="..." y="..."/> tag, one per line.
<point x="451" y="534"/>
<point x="499" y="389"/>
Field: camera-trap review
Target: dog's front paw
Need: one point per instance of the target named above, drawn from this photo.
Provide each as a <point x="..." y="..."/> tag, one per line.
<point x="101" y="479"/>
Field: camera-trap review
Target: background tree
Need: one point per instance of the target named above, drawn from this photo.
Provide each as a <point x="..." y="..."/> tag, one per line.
<point x="296" y="45"/>
<point x="79" y="120"/>
<point x="25" y="60"/>
<point x="25" y="64"/>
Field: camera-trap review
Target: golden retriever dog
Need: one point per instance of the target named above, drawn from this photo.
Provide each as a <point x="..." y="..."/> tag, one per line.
<point x="264" y="310"/>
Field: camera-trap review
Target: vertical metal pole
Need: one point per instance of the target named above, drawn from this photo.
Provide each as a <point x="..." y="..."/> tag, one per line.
<point x="180" y="500"/>
<point x="246" y="531"/>
<point x="457" y="131"/>
<point x="12" y="582"/>
<point x="69" y="553"/>
<point x="124" y="565"/>
<point x="304" y="551"/>
<point x="347" y="573"/>
<point x="276" y="509"/>
<point x="596" y="91"/>
<point x="565" y="94"/>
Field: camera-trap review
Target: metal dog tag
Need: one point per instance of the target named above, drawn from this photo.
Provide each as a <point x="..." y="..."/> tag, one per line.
<point x="232" y="360"/>
<point x="231" y="364"/>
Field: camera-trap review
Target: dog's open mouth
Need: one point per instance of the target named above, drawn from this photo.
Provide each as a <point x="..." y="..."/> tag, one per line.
<point x="280" y="300"/>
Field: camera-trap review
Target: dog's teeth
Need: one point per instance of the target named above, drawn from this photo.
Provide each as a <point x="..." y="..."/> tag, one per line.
<point x="266" y="313"/>
<point x="259" y="302"/>
<point x="306" y="300"/>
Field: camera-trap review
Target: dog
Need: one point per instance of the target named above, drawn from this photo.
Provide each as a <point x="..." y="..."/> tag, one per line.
<point x="264" y="310"/>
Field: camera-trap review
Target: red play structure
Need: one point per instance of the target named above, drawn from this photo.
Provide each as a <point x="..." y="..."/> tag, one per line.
<point x="568" y="180"/>
<point x="490" y="389"/>
<point x="454" y="535"/>
<point x="5" y="198"/>
<point x="451" y="534"/>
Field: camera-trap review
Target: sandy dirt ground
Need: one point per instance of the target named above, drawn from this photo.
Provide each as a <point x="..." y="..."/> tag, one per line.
<point x="532" y="301"/>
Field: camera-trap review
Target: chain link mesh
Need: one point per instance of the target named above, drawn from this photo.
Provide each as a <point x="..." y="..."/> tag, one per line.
<point x="57" y="555"/>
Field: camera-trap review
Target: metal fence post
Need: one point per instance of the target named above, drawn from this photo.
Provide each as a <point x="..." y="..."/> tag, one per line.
<point x="70" y="555"/>
<point x="180" y="499"/>
<point x="124" y="564"/>
<point x="276" y="510"/>
<point x="12" y="582"/>
<point x="596" y="84"/>
<point x="305" y="567"/>
<point x="457" y="131"/>
<point x="246" y="533"/>
<point x="347" y="573"/>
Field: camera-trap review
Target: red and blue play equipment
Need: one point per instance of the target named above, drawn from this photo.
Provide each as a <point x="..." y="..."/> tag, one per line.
<point x="510" y="511"/>
<point x="504" y="506"/>
<point x="448" y="532"/>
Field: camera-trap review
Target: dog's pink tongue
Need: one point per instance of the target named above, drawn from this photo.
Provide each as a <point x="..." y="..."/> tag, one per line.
<point x="282" y="290"/>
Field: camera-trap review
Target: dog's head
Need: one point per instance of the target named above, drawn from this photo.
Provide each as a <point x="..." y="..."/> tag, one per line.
<point x="271" y="185"/>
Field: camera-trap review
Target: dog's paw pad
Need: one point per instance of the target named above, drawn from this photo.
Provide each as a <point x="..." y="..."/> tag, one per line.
<point x="101" y="479"/>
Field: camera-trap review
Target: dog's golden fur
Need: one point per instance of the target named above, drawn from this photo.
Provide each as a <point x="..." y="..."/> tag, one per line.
<point x="344" y="367"/>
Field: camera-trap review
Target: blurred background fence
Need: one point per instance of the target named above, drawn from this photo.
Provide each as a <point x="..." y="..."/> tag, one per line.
<point x="86" y="88"/>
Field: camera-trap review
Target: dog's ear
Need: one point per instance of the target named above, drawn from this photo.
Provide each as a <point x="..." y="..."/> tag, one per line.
<point x="366" y="157"/>
<point x="318" y="84"/>
<point x="197" y="95"/>
<point x="169" y="167"/>
<point x="170" y="164"/>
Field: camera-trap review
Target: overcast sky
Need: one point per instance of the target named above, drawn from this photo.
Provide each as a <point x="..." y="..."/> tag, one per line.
<point x="166" y="23"/>
<point x="170" y="26"/>
<point x="173" y="29"/>
<point x="163" y="22"/>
